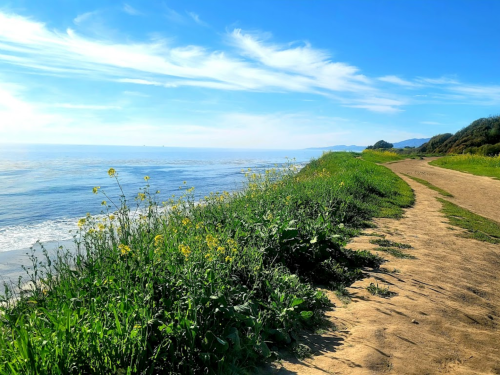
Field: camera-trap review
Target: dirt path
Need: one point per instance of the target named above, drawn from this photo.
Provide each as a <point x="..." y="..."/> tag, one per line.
<point x="445" y="317"/>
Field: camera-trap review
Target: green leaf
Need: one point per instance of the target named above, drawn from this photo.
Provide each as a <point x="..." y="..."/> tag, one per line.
<point x="297" y="301"/>
<point x="306" y="314"/>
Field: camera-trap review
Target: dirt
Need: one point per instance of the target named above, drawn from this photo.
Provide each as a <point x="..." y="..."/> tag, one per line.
<point x="445" y="315"/>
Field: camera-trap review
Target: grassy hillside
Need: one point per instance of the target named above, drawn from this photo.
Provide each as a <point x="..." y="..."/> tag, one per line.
<point x="475" y="164"/>
<point x="188" y="288"/>
<point x="481" y="137"/>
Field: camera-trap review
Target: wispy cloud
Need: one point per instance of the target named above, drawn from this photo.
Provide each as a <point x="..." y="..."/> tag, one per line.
<point x="430" y="123"/>
<point x="196" y="18"/>
<point x="83" y="17"/>
<point x="398" y="81"/>
<point x="84" y="106"/>
<point x="257" y="65"/>
<point x="131" y="10"/>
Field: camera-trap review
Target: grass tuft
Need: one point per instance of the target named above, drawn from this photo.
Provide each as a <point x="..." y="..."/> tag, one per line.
<point x="430" y="186"/>
<point x="383" y="292"/>
<point x="478" y="227"/>
<point x="388" y="243"/>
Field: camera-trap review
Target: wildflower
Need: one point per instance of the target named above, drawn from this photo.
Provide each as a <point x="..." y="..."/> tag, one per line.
<point x="95" y="190"/>
<point x="157" y="191"/>
<point x="184" y="182"/>
<point x="146" y="178"/>
<point x="221" y="249"/>
<point x="124" y="249"/>
<point x="141" y="196"/>
<point x="185" y="221"/>
<point x="158" y="239"/>
<point x="228" y="259"/>
<point x="111" y="172"/>
<point x="342" y="183"/>
<point x="101" y="227"/>
<point x="81" y="222"/>
<point x="185" y="250"/>
<point x="211" y="241"/>
<point x="104" y="203"/>
<point x="111" y="217"/>
<point x="137" y="326"/>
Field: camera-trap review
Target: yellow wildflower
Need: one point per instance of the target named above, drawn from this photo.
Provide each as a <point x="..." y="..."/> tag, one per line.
<point x="158" y="239"/>
<point x="185" y="250"/>
<point x="221" y="249"/>
<point x="185" y="221"/>
<point x="137" y="326"/>
<point x="81" y="222"/>
<point x="101" y="227"/>
<point x="141" y="196"/>
<point x="95" y="190"/>
<point x="111" y="217"/>
<point x="104" y="203"/>
<point x="146" y="178"/>
<point x="111" y="172"/>
<point x="124" y="249"/>
<point x="211" y="241"/>
<point x="228" y="259"/>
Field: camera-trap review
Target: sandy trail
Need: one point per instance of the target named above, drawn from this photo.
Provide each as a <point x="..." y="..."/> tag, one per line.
<point x="445" y="317"/>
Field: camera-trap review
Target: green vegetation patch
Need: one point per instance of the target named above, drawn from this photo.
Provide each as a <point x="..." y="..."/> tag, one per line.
<point x="478" y="227"/>
<point x="190" y="287"/>
<point x="395" y="252"/>
<point x="430" y="186"/>
<point x="379" y="156"/>
<point x="474" y="164"/>
<point x="388" y="243"/>
<point x="376" y="290"/>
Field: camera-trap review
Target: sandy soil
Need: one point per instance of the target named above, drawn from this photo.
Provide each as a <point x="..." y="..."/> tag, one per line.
<point x="445" y="317"/>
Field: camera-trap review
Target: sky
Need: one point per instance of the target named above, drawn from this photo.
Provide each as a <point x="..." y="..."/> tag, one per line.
<point x="245" y="74"/>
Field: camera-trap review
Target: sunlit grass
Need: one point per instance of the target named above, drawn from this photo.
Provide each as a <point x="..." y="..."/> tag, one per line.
<point x="189" y="287"/>
<point x="475" y="164"/>
<point x="377" y="156"/>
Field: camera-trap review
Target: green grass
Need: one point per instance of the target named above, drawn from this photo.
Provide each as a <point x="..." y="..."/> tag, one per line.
<point x="478" y="227"/>
<point x="375" y="290"/>
<point x="474" y="164"/>
<point x="376" y="156"/>
<point x="430" y="186"/>
<point x="189" y="288"/>
<point x="388" y="243"/>
<point x="395" y="252"/>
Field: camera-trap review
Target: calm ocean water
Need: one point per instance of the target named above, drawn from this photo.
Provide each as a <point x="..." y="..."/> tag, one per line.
<point x="45" y="189"/>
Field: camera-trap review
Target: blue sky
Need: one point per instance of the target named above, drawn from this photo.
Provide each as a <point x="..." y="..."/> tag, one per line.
<point x="253" y="74"/>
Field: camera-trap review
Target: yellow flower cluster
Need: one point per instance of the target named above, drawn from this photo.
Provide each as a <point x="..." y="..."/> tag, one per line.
<point x="111" y="172"/>
<point x="186" y="221"/>
<point x="124" y="249"/>
<point x="211" y="241"/>
<point x="185" y="250"/>
<point x="95" y="190"/>
<point x="141" y="196"/>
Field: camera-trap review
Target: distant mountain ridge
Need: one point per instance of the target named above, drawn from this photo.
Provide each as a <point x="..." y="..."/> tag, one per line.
<point x="414" y="142"/>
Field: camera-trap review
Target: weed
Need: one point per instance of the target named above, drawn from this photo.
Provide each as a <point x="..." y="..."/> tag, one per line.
<point x="343" y="295"/>
<point x="376" y="156"/>
<point x="395" y="252"/>
<point x="388" y="243"/>
<point x="383" y="292"/>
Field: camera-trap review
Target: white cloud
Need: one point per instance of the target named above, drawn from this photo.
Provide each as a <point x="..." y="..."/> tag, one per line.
<point x="430" y="123"/>
<point x="260" y="67"/>
<point x="84" y="106"/>
<point x="83" y="17"/>
<point x="197" y="19"/>
<point x="131" y="10"/>
<point x="398" y="81"/>
<point x="438" y="81"/>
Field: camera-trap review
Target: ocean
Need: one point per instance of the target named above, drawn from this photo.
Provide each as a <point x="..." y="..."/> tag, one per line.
<point x="45" y="189"/>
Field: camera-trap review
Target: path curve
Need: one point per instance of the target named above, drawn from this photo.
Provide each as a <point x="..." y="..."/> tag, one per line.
<point x="445" y="318"/>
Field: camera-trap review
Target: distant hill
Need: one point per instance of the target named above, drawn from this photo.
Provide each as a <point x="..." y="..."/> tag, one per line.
<point x="480" y="137"/>
<point x="340" y="148"/>
<point x="414" y="142"/>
